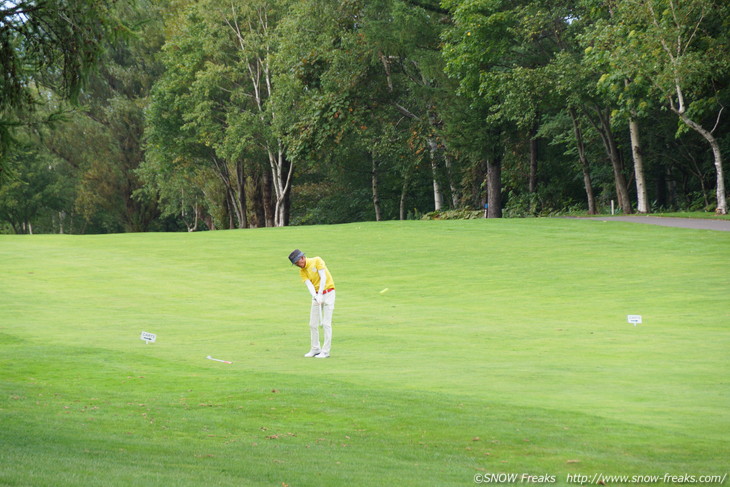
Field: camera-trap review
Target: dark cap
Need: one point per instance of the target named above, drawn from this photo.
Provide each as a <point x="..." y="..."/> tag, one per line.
<point x="295" y="256"/>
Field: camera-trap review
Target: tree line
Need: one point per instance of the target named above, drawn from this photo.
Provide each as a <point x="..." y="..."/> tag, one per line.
<point x="142" y="115"/>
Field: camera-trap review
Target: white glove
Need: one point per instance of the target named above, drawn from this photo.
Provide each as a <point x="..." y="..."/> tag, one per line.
<point x="319" y="298"/>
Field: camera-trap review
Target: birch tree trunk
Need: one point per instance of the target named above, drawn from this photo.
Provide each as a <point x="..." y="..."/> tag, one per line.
<point x="259" y="72"/>
<point x="438" y="197"/>
<point x="404" y="193"/>
<point x="675" y="39"/>
<point x="241" y="194"/>
<point x="452" y="186"/>
<point x="282" y="172"/>
<point x="641" y="194"/>
<point x="642" y="199"/>
<point x="680" y="110"/>
<point x="717" y="156"/>
<point x="376" y="195"/>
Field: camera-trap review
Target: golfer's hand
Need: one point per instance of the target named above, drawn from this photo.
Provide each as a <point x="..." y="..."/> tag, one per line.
<point x="319" y="299"/>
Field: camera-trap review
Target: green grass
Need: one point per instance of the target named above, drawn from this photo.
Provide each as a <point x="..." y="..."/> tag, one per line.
<point x="500" y="346"/>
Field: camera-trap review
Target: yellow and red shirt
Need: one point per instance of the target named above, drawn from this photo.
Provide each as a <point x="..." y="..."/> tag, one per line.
<point x="311" y="271"/>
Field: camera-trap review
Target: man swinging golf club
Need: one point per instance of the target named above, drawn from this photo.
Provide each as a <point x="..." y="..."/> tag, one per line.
<point x="318" y="280"/>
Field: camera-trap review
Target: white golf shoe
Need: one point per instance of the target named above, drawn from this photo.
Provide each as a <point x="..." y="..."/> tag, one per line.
<point x="311" y="353"/>
<point x="323" y="355"/>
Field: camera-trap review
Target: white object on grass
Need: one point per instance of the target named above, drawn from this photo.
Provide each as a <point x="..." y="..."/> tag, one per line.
<point x="384" y="291"/>
<point x="634" y="319"/>
<point x="218" y="360"/>
<point x="148" y="337"/>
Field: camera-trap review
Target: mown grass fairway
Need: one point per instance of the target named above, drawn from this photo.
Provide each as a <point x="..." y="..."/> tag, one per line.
<point x="499" y="347"/>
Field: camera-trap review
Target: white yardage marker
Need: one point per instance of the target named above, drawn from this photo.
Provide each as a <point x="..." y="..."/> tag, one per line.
<point x="634" y="319"/>
<point x="148" y="337"/>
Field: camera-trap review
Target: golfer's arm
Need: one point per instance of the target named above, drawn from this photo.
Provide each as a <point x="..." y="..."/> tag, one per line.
<point x="310" y="286"/>
<point x="322" y="280"/>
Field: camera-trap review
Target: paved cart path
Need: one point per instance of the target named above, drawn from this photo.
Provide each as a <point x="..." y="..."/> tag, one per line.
<point x="694" y="223"/>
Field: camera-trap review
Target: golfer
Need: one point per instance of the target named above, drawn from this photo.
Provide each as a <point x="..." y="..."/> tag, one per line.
<point x="318" y="280"/>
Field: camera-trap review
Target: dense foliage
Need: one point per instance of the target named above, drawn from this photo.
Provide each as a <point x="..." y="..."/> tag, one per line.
<point x="210" y="115"/>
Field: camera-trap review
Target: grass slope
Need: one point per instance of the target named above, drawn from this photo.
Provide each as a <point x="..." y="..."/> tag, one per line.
<point x="499" y="347"/>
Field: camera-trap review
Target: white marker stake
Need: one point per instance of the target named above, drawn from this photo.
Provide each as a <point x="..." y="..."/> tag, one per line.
<point x="148" y="337"/>
<point x="218" y="360"/>
<point x="634" y="319"/>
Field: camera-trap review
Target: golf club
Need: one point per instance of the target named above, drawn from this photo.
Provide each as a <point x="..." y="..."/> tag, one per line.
<point x="218" y="360"/>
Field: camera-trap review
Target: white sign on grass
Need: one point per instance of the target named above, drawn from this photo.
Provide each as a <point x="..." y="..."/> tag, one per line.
<point x="634" y="319"/>
<point x="148" y="337"/>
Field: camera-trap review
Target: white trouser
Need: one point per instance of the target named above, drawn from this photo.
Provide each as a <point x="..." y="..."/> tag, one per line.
<point x="321" y="315"/>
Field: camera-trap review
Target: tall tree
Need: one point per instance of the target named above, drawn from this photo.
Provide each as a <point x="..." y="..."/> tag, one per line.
<point x="353" y="71"/>
<point x="253" y="27"/>
<point x="38" y="191"/>
<point x="212" y="111"/>
<point x="515" y="56"/>
<point x="51" y="44"/>
<point x="480" y="53"/>
<point x="682" y="50"/>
